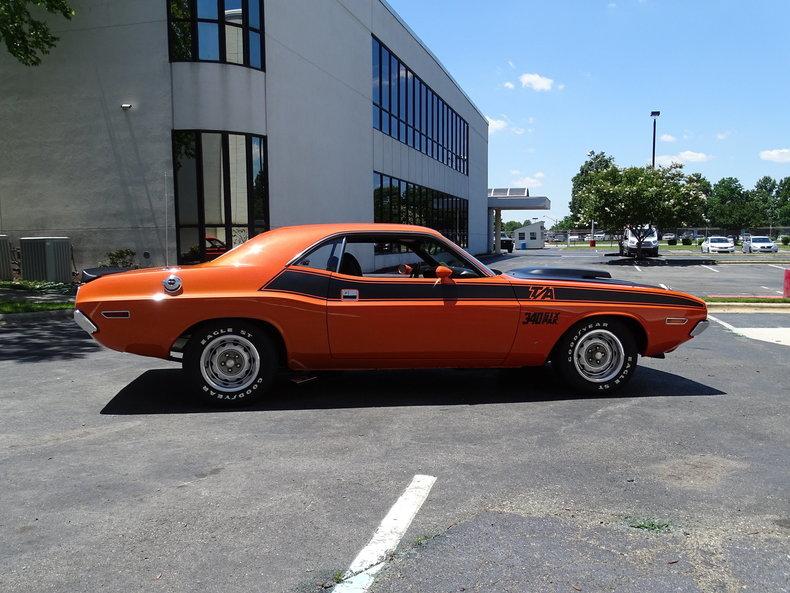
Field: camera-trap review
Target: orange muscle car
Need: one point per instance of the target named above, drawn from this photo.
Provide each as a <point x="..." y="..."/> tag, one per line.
<point x="362" y="296"/>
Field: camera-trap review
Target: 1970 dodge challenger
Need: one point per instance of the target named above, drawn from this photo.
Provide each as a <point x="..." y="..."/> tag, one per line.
<point x="374" y="296"/>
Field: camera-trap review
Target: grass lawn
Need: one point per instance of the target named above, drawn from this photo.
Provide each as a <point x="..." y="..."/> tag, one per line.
<point x="31" y="307"/>
<point x="35" y="285"/>
<point x="737" y="299"/>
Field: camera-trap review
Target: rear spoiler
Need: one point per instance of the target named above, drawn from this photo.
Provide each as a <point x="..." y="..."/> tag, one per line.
<point x="90" y="274"/>
<point x="564" y="273"/>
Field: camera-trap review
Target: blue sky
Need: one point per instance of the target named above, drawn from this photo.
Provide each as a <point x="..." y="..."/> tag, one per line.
<point x="561" y="77"/>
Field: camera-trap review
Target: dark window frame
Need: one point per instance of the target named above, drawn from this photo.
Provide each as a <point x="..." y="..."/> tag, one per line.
<point x="414" y="114"/>
<point x="221" y="23"/>
<point x="252" y="228"/>
<point x="420" y="205"/>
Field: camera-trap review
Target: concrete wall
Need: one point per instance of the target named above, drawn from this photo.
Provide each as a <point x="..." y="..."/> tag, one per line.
<point x="75" y="164"/>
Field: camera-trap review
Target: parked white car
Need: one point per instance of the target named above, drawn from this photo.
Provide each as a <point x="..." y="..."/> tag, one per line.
<point x="718" y="245"/>
<point x="668" y="236"/>
<point x="573" y="238"/>
<point x="759" y="245"/>
<point x="649" y="243"/>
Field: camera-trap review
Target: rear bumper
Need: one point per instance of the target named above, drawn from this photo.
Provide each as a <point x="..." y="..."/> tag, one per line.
<point x="699" y="328"/>
<point x="85" y="323"/>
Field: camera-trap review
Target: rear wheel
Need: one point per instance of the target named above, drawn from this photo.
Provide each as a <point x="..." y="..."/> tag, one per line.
<point x="230" y="363"/>
<point x="596" y="356"/>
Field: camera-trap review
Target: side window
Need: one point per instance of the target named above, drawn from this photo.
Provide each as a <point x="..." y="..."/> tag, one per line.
<point x="323" y="257"/>
<point x="521" y="236"/>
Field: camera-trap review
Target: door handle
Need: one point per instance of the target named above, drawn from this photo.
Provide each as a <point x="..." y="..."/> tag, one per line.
<point x="349" y="294"/>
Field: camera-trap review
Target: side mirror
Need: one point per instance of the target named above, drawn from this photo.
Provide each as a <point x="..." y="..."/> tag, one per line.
<point x="405" y="270"/>
<point x="443" y="273"/>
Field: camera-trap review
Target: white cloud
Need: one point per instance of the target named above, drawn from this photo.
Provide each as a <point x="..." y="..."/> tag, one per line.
<point x="509" y="85"/>
<point x="530" y="120"/>
<point x="496" y="125"/>
<point x="561" y="86"/>
<point x="518" y="131"/>
<point x="536" y="82"/>
<point x="511" y="64"/>
<point x="723" y="135"/>
<point x="667" y="138"/>
<point x="612" y="5"/>
<point x="686" y="156"/>
<point x="776" y="155"/>
<point x="515" y="172"/>
<point x="530" y="181"/>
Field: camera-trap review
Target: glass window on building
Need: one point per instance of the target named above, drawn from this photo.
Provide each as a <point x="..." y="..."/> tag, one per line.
<point x="400" y="202"/>
<point x="405" y="108"/>
<point x="221" y="191"/>
<point x="228" y="31"/>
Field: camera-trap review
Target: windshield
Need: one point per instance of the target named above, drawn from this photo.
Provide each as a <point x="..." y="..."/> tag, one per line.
<point x="719" y="240"/>
<point x="760" y="240"/>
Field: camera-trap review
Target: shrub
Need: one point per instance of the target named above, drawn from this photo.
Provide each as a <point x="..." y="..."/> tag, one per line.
<point x="700" y="241"/>
<point x="686" y="240"/>
<point x="786" y="240"/>
<point x="672" y="241"/>
<point x="121" y="258"/>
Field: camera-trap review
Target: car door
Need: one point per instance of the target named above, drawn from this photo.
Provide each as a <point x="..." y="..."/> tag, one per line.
<point x="421" y="321"/>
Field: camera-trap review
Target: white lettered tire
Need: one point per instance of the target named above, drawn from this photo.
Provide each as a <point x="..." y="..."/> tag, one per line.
<point x="598" y="355"/>
<point x="230" y="363"/>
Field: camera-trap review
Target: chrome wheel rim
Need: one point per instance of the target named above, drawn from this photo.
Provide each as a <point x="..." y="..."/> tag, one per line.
<point x="598" y="356"/>
<point x="230" y="363"/>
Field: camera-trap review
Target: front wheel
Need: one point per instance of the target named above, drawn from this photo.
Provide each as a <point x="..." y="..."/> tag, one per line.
<point x="596" y="356"/>
<point x="230" y="363"/>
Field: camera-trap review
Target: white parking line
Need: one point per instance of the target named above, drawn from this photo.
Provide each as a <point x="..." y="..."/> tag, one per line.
<point x="766" y="288"/>
<point x="372" y="558"/>
<point x="638" y="269"/>
<point x="775" y="266"/>
<point x="711" y="269"/>
<point x="774" y="335"/>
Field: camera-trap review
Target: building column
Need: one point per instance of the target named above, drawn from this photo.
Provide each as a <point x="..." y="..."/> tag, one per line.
<point x="497" y="231"/>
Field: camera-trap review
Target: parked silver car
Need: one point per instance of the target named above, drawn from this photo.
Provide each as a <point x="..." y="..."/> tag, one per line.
<point x="759" y="245"/>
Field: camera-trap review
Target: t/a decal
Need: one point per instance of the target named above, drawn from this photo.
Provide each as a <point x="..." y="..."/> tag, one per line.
<point x="541" y="293"/>
<point x="542" y="318"/>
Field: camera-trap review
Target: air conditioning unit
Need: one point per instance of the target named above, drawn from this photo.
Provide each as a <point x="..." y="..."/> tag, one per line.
<point x="5" y="258"/>
<point x="46" y="258"/>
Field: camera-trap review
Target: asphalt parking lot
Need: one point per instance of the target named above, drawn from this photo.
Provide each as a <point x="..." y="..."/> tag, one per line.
<point x="115" y="480"/>
<point x="696" y="273"/>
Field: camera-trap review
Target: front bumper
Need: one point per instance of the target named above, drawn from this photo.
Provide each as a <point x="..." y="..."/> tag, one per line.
<point x="85" y="323"/>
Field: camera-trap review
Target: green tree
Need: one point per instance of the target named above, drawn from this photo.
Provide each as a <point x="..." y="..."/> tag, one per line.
<point x="26" y="37"/>
<point x="731" y="207"/>
<point x="638" y="198"/>
<point x="565" y="224"/>
<point x="765" y="201"/>
<point x="596" y="162"/>
<point x="783" y="201"/>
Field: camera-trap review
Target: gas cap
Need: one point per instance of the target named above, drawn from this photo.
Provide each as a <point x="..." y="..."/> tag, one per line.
<point x="172" y="283"/>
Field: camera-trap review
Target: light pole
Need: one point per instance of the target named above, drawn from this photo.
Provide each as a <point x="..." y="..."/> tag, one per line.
<point x="654" y="115"/>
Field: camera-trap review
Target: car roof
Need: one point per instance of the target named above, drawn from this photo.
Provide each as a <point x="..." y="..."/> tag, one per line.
<point x="282" y="244"/>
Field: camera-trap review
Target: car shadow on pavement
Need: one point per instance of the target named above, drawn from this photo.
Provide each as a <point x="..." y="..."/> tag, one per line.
<point x="54" y="340"/>
<point x="162" y="391"/>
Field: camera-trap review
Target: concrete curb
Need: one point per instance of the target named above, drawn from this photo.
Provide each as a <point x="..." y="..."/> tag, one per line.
<point x="749" y="308"/>
<point x="22" y="318"/>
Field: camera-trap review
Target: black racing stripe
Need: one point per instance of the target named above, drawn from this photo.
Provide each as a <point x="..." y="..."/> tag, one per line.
<point x="569" y="293"/>
<point x="300" y="282"/>
<point x="421" y="290"/>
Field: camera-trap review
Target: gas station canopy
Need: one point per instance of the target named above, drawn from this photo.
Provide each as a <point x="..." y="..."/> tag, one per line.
<point x="516" y="198"/>
<point x="510" y="198"/>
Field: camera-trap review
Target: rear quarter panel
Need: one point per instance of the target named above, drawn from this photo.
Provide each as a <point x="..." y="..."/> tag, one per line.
<point x="546" y="316"/>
